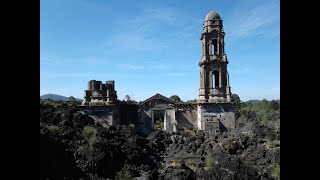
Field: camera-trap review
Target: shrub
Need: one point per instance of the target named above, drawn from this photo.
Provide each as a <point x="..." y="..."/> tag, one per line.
<point x="192" y="166"/>
<point x="276" y="173"/>
<point x="89" y="134"/>
<point x="265" y="117"/>
<point x="174" y="163"/>
<point x="89" y="131"/>
<point x="55" y="104"/>
<point x="124" y="174"/>
<point x="54" y="129"/>
<point x="159" y="124"/>
<point x="188" y="132"/>
<point x="97" y="104"/>
<point x="210" y="163"/>
<point x="93" y="140"/>
<point x="251" y="135"/>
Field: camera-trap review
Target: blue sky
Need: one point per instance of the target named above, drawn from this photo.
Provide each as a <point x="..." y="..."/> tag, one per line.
<point x="153" y="46"/>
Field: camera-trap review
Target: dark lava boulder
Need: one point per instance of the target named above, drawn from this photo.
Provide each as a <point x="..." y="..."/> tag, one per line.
<point x="180" y="172"/>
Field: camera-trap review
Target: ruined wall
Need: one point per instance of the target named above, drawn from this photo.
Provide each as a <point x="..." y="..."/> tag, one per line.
<point x="186" y="119"/>
<point x="103" y="115"/>
<point x="213" y="115"/>
<point x="169" y="120"/>
<point x="116" y="118"/>
<point x="129" y="114"/>
<point x="145" y="124"/>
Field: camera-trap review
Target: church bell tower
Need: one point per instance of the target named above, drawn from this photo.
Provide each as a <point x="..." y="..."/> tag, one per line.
<point x="215" y="106"/>
<point x="214" y="77"/>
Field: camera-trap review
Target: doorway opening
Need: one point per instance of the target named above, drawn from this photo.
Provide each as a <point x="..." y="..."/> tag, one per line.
<point x="158" y="119"/>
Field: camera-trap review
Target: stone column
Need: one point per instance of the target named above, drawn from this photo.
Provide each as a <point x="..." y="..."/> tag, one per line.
<point x="89" y="85"/>
<point x="220" y="78"/>
<point x="211" y="76"/>
<point x="205" y="46"/>
<point x="92" y="85"/>
<point x="202" y="75"/>
<point x="228" y="91"/>
<point x="152" y="120"/>
<point x="199" y="117"/>
<point x="203" y="52"/>
<point x="218" y="45"/>
<point x="202" y="84"/>
<point x="222" y="45"/>
<point x="169" y="120"/>
<point x="228" y="84"/>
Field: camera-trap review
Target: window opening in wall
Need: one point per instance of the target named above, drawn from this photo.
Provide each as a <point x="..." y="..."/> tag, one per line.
<point x="214" y="46"/>
<point x="215" y="79"/>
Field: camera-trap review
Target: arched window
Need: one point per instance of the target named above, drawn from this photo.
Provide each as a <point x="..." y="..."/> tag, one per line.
<point x="214" y="46"/>
<point x="215" y="78"/>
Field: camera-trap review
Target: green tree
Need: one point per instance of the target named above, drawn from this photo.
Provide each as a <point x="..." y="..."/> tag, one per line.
<point x="244" y="104"/>
<point x="263" y="104"/>
<point x="236" y="100"/>
<point x="175" y="98"/>
<point x="274" y="105"/>
<point x="127" y="98"/>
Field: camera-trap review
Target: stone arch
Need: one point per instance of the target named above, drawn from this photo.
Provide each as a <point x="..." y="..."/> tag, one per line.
<point x="215" y="78"/>
<point x="214" y="46"/>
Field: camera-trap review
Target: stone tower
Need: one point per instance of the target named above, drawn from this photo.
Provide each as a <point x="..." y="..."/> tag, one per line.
<point x="99" y="93"/>
<point x="215" y="107"/>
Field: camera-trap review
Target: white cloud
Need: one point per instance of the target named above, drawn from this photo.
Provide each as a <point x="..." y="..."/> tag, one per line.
<point x="150" y="19"/>
<point x="245" y="23"/>
<point x="141" y="32"/>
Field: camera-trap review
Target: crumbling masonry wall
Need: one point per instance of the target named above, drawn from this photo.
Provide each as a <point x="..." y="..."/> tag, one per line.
<point x="216" y="116"/>
<point x="186" y="116"/>
<point x="104" y="115"/>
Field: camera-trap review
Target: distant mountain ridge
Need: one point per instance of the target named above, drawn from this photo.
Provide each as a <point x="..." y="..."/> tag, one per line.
<point x="56" y="97"/>
<point x="255" y="101"/>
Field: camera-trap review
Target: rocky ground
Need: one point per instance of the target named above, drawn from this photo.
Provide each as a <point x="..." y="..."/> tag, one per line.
<point x="74" y="147"/>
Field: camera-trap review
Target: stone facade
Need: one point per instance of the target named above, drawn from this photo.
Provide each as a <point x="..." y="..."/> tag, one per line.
<point x="215" y="106"/>
<point x="99" y="93"/>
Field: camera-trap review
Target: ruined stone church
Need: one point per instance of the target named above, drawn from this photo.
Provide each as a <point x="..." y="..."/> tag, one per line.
<point x="214" y="109"/>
